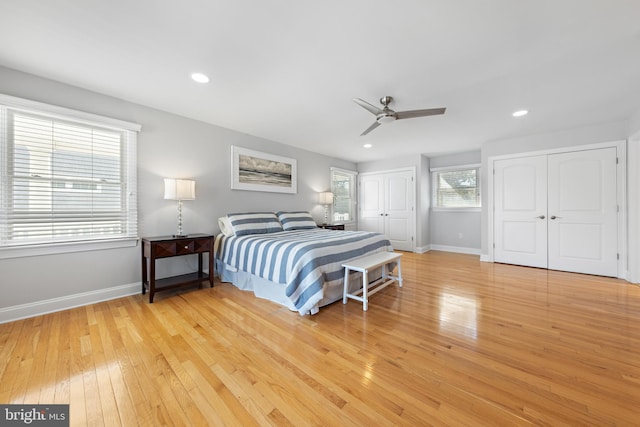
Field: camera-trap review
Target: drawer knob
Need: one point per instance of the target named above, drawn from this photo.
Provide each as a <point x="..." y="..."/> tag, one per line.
<point x="186" y="247"/>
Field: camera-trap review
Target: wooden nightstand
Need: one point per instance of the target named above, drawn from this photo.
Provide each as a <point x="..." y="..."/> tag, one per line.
<point x="166" y="247"/>
<point x="332" y="226"/>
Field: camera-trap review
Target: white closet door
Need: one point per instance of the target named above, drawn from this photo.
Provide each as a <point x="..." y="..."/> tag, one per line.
<point x="386" y="206"/>
<point x="583" y="212"/>
<point x="371" y="209"/>
<point x="520" y="217"/>
<point x="398" y="213"/>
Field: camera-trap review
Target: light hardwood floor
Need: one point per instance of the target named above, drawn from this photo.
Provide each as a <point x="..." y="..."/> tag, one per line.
<point x="462" y="343"/>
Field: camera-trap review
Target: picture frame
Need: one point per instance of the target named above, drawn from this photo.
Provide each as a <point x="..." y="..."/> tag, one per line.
<point x="257" y="171"/>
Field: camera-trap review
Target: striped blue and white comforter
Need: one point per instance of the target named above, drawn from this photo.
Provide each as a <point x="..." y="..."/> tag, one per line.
<point x="303" y="260"/>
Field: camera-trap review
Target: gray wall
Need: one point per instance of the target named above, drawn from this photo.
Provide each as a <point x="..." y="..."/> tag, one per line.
<point x="456" y="230"/>
<point x="168" y="146"/>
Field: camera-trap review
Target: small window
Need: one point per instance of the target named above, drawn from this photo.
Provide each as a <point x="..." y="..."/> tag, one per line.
<point x="456" y="188"/>
<point x="65" y="179"/>
<point x="343" y="186"/>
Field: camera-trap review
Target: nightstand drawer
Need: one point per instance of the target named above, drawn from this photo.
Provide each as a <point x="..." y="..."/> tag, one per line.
<point x="163" y="249"/>
<point x="202" y="245"/>
<point x="185" y="247"/>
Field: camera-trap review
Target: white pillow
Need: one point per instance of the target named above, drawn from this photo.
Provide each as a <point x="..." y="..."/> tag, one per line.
<point x="225" y="226"/>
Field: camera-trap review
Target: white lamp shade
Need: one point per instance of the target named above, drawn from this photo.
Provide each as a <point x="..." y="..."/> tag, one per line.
<point x="179" y="189"/>
<point x="326" y="198"/>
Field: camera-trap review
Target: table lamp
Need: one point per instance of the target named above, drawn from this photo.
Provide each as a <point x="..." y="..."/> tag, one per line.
<point x="326" y="199"/>
<point x="179" y="189"/>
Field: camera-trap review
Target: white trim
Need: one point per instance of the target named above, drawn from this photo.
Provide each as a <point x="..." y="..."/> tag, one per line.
<point x="453" y="168"/>
<point x="23" y="311"/>
<point x="65" y="247"/>
<point x="621" y="152"/>
<point x="422" y="249"/>
<point x="633" y="206"/>
<point x="335" y="168"/>
<point x="456" y="249"/>
<point x="484" y="258"/>
<point x="63" y="113"/>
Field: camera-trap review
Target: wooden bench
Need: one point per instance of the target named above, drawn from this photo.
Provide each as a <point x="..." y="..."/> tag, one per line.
<point x="365" y="265"/>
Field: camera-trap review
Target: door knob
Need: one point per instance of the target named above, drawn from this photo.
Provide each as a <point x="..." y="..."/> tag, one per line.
<point x="541" y="217"/>
<point x="555" y="217"/>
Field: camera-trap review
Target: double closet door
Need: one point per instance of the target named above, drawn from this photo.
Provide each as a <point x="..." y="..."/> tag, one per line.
<point x="558" y="211"/>
<point x="386" y="205"/>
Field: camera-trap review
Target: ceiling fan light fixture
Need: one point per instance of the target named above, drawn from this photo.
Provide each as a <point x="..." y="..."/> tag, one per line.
<point x="385" y="118"/>
<point x="367" y="145"/>
<point x="520" y="113"/>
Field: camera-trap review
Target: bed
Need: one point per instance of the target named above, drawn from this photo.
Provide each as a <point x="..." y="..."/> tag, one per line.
<point x="286" y="258"/>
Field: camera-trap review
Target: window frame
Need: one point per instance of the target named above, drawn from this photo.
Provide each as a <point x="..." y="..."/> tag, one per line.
<point x="128" y="162"/>
<point x="353" y="196"/>
<point x="434" y="188"/>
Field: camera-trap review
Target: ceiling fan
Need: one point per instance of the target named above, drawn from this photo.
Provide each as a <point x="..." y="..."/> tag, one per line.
<point x="386" y="114"/>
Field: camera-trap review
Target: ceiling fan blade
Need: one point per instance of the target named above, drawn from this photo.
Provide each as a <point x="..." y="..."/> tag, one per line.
<point x="419" y="113"/>
<point x="370" y="128"/>
<point x="371" y="108"/>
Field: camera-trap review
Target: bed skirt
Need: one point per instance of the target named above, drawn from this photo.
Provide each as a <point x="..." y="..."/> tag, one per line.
<point x="275" y="292"/>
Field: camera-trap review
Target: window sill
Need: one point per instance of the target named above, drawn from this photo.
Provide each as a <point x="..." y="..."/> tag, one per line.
<point x="63" y="248"/>
<point x="456" y="209"/>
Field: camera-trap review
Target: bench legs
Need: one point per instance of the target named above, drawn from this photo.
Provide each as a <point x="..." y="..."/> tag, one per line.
<point x="370" y="289"/>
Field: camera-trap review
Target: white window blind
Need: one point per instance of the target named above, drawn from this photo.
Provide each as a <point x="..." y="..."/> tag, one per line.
<point x="457" y="188"/>
<point x="65" y="179"/>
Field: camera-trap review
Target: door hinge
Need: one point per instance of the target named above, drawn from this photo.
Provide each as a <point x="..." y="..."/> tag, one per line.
<point x="617" y="208"/>
<point x="618" y="256"/>
<point x="494" y="246"/>
<point x="616" y="160"/>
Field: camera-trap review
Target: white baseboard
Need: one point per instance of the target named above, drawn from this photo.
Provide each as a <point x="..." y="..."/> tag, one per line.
<point x="422" y="249"/>
<point x="23" y="311"/>
<point x="485" y="258"/>
<point x="456" y="249"/>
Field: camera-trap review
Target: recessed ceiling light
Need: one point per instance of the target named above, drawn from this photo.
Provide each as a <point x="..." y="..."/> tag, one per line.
<point x="367" y="145"/>
<point x="200" y="78"/>
<point x="520" y="113"/>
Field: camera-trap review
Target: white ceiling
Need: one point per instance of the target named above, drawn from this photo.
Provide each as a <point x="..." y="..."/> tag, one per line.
<point x="287" y="70"/>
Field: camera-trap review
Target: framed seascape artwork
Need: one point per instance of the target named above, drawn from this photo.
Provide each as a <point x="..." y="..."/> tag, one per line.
<point x="255" y="171"/>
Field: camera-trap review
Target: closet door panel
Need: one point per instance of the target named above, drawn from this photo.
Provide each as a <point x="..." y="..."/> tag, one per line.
<point x="583" y="212"/>
<point x="399" y="201"/>
<point x="371" y="203"/>
<point x="520" y="202"/>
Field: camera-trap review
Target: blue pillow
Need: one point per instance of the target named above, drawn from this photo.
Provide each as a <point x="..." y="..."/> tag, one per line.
<point x="254" y="223"/>
<point x="296" y="220"/>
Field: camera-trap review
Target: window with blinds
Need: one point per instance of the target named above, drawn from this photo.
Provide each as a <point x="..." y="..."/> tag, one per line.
<point x="456" y="188"/>
<point x="65" y="180"/>
<point x="343" y="186"/>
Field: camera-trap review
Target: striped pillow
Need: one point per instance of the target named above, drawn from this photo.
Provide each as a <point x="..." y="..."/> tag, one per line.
<point x="254" y="223"/>
<point x="296" y="220"/>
